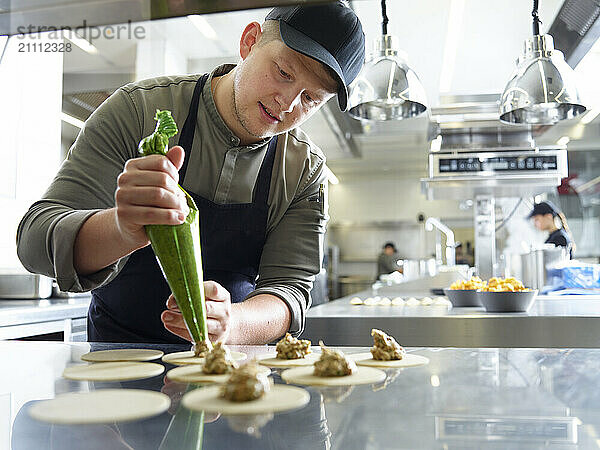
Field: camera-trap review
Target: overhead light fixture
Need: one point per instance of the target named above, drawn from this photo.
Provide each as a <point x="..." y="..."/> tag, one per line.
<point x="542" y="89"/>
<point x="72" y="120"/>
<point x="590" y="115"/>
<point x="563" y="140"/>
<point x="203" y="26"/>
<point x="386" y="88"/>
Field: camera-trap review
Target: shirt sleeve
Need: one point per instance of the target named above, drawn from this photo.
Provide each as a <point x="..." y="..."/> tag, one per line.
<point x="293" y="252"/>
<point x="84" y="185"/>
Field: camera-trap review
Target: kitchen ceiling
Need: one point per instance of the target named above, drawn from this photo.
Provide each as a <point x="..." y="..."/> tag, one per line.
<point x="489" y="37"/>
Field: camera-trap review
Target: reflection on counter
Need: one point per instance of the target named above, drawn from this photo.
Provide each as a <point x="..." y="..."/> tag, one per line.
<point x="465" y="398"/>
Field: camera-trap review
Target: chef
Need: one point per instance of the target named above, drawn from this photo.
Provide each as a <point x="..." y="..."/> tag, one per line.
<point x="258" y="180"/>
<point x="387" y="261"/>
<point x="544" y="215"/>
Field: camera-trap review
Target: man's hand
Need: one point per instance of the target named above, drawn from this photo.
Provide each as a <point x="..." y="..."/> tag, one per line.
<point x="147" y="194"/>
<point x="218" y="312"/>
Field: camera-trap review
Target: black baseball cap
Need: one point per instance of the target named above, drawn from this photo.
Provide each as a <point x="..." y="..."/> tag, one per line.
<point x="542" y="208"/>
<point x="329" y="33"/>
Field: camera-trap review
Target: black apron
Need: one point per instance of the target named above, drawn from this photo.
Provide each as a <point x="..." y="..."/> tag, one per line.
<point x="560" y="238"/>
<point x="128" y="308"/>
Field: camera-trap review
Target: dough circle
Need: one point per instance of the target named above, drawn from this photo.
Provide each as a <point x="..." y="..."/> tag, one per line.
<point x="192" y="373"/>
<point x="124" y="354"/>
<point x="279" y="398"/>
<point x="304" y="375"/>
<point x="185" y="358"/>
<point x="409" y="360"/>
<point x="113" y="371"/>
<point x="271" y="360"/>
<point x="102" y="406"/>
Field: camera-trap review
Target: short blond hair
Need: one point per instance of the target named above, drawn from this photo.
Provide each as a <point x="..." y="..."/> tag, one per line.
<point x="270" y="32"/>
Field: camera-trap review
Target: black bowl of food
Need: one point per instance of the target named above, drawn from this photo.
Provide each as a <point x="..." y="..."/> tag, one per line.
<point x="507" y="301"/>
<point x="462" y="297"/>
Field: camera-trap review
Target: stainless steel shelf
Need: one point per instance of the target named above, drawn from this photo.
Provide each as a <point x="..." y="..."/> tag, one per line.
<point x="22" y="318"/>
<point x="552" y="322"/>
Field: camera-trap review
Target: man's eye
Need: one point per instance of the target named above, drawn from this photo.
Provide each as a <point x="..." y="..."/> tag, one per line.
<point x="284" y="74"/>
<point x="308" y="98"/>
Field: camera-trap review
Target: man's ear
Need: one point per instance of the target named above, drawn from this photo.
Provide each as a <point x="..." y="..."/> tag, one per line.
<point x="250" y="37"/>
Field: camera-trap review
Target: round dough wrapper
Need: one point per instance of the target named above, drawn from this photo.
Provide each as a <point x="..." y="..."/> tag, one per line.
<point x="185" y="358"/>
<point x="385" y="302"/>
<point x="279" y="398"/>
<point x="102" y="406"/>
<point x="304" y="375"/>
<point x="371" y="301"/>
<point x="113" y="371"/>
<point x="192" y="373"/>
<point x="412" y="302"/>
<point x="271" y="360"/>
<point x="442" y="301"/>
<point x="409" y="360"/>
<point x="124" y="354"/>
<point x="426" y="301"/>
<point x="398" y="301"/>
<point x="356" y="301"/>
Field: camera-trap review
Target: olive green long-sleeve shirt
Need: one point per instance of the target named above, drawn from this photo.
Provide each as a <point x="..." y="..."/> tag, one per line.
<point x="219" y="169"/>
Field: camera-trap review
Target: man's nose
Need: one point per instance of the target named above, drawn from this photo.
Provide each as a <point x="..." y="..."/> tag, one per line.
<point x="289" y="99"/>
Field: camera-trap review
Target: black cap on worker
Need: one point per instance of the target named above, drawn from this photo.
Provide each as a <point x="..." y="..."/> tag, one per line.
<point x="542" y="208"/>
<point x="329" y="33"/>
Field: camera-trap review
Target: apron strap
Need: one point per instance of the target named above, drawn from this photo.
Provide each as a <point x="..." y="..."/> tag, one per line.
<point x="186" y="138"/>
<point x="263" y="182"/>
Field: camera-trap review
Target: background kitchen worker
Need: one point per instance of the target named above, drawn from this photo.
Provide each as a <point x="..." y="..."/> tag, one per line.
<point x="258" y="180"/>
<point x="545" y="216"/>
<point x="387" y="261"/>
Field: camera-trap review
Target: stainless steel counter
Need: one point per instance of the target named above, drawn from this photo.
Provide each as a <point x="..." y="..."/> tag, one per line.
<point x="22" y="318"/>
<point x="557" y="322"/>
<point x="463" y="399"/>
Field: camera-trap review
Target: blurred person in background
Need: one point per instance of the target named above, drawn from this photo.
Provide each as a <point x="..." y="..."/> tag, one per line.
<point x="547" y="217"/>
<point x="387" y="261"/>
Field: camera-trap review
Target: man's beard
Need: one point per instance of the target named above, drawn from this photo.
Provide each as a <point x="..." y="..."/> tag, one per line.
<point x="240" y="113"/>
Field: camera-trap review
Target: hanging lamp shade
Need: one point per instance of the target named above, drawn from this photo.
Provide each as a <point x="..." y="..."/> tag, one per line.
<point x="386" y="88"/>
<point x="542" y="89"/>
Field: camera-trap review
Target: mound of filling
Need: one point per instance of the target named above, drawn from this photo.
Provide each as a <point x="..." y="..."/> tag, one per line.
<point x="385" y="347"/>
<point x="292" y="348"/>
<point x="246" y="384"/>
<point x="201" y="348"/>
<point x="333" y="363"/>
<point x="218" y="361"/>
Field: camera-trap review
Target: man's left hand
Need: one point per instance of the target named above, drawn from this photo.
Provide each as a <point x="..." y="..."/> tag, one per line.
<point x="218" y="312"/>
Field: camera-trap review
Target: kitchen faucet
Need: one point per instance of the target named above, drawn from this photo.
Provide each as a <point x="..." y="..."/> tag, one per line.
<point x="450" y="243"/>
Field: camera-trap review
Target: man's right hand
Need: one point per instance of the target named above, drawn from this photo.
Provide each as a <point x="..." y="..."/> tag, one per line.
<point x="147" y="194"/>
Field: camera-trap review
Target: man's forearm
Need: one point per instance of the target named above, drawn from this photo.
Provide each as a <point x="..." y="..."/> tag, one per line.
<point x="99" y="243"/>
<point x="259" y="320"/>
